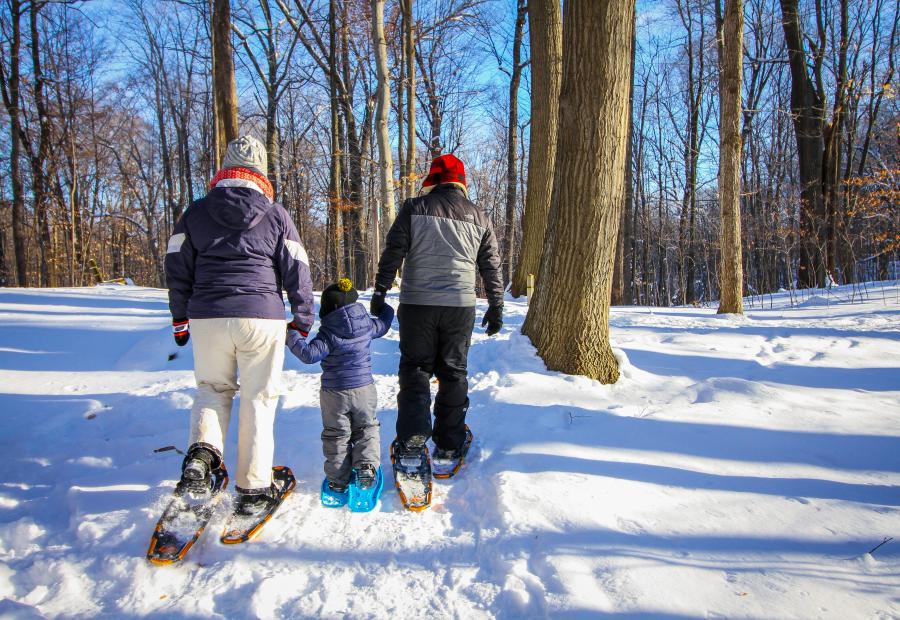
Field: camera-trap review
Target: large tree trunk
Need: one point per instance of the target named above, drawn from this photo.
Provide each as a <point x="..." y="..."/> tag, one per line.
<point x="545" y="36"/>
<point x="512" y="148"/>
<point x="806" y="109"/>
<point x="568" y="321"/>
<point x="383" y="97"/>
<point x="731" y="41"/>
<point x="226" y="108"/>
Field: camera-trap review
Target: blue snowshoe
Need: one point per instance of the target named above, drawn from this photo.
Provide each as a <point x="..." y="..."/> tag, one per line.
<point x="333" y="497"/>
<point x="366" y="485"/>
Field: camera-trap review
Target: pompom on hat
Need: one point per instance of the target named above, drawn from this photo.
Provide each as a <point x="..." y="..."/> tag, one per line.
<point x="337" y="295"/>
<point x="445" y="169"/>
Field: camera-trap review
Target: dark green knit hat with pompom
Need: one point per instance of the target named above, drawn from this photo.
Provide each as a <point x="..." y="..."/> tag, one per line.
<point x="336" y="296"/>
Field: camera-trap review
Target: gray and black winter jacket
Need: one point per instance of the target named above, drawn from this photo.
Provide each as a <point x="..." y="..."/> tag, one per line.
<point x="441" y="239"/>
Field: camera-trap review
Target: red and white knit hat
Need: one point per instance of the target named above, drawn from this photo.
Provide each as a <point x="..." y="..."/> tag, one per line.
<point x="445" y="169"/>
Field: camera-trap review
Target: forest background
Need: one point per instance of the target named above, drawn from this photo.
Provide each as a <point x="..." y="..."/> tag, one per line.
<point x="109" y="135"/>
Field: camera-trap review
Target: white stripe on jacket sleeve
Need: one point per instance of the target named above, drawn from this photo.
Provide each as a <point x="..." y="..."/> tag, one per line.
<point x="296" y="250"/>
<point x="175" y="243"/>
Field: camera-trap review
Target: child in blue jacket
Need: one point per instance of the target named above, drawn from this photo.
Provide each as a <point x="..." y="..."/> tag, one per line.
<point x="350" y="439"/>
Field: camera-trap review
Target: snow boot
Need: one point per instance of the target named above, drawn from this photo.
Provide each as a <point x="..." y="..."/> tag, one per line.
<point x="446" y="463"/>
<point x="196" y="470"/>
<point x="412" y="472"/>
<point x="333" y="495"/>
<point x="365" y="476"/>
<point x="366" y="485"/>
<point x="253" y="510"/>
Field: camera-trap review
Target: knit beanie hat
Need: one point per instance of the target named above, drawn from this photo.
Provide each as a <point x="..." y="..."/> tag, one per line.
<point x="336" y="296"/>
<point x="445" y="169"/>
<point x="246" y="152"/>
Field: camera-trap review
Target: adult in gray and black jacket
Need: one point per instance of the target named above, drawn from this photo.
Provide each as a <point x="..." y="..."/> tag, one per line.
<point x="440" y="239"/>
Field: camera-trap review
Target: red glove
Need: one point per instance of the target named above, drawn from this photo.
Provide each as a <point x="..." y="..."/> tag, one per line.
<point x="181" y="331"/>
<point x="293" y="325"/>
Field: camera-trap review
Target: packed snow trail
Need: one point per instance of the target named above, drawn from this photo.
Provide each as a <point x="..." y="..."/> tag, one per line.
<point x="742" y="466"/>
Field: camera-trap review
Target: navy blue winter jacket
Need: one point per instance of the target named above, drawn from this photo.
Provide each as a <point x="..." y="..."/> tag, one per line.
<point x="232" y="253"/>
<point x="342" y="345"/>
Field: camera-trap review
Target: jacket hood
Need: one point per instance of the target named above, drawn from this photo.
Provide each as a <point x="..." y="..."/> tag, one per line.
<point x="350" y="321"/>
<point x="238" y="208"/>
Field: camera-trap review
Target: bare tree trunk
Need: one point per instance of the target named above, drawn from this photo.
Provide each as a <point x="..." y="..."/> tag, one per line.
<point x="410" y="50"/>
<point x="335" y="199"/>
<point x="226" y="107"/>
<point x="831" y="168"/>
<point x="512" y="149"/>
<point x="731" y="42"/>
<point x="806" y="109"/>
<point x="11" y="99"/>
<point x="386" y="165"/>
<point x="545" y="36"/>
<point x="39" y="178"/>
<point x="568" y="321"/>
<point x="622" y="271"/>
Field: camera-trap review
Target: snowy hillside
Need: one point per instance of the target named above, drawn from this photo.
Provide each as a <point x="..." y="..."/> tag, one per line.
<point x="741" y="467"/>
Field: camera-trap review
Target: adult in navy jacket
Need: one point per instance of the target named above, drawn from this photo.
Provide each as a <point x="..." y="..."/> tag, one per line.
<point x="232" y="254"/>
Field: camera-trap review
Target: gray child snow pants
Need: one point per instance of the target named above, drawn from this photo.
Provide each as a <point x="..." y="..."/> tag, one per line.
<point x="350" y="435"/>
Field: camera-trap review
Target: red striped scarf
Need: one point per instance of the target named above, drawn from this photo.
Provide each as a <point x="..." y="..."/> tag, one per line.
<point x="245" y="174"/>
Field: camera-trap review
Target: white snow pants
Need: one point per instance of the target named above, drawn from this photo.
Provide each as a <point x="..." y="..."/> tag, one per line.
<point x="255" y="348"/>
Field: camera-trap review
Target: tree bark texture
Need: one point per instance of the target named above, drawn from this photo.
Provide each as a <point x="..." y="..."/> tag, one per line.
<point x="545" y="37"/>
<point x="731" y="275"/>
<point x="622" y="272"/>
<point x="512" y="148"/>
<point x="12" y="98"/>
<point x="410" y="51"/>
<point x="382" y="110"/>
<point x="226" y="108"/>
<point x="806" y="110"/>
<point x="39" y="176"/>
<point x="568" y="320"/>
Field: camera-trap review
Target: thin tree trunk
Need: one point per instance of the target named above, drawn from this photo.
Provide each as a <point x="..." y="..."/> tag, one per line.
<point x="806" y="109"/>
<point x="568" y="321"/>
<point x="11" y="99"/>
<point x="831" y="172"/>
<point x="335" y="199"/>
<point x="225" y="87"/>
<point x="731" y="41"/>
<point x="410" y="49"/>
<point x="622" y="268"/>
<point x="545" y="37"/>
<point x="383" y="97"/>
<point x="512" y="179"/>
<point x="39" y="178"/>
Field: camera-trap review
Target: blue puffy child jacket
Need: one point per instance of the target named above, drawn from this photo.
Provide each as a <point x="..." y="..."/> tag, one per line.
<point x="342" y="345"/>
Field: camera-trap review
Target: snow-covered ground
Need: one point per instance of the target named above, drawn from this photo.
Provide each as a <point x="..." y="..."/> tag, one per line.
<point x="742" y="467"/>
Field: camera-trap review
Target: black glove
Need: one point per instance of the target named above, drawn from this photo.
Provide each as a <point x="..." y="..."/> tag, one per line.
<point x="493" y="318"/>
<point x="181" y="331"/>
<point x="377" y="303"/>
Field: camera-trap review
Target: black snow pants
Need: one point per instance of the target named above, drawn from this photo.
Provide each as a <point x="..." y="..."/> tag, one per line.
<point x="434" y="341"/>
